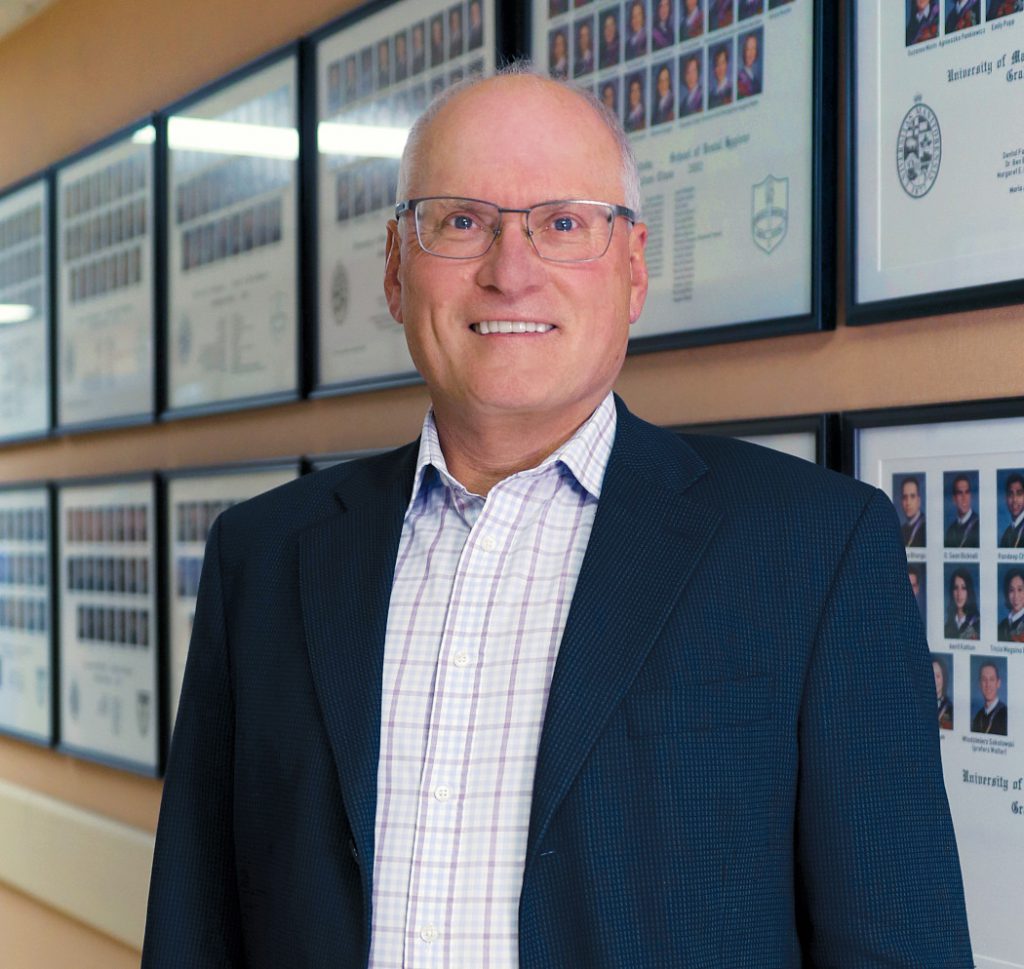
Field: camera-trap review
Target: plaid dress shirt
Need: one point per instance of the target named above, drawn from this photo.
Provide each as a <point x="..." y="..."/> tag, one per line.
<point x="481" y="594"/>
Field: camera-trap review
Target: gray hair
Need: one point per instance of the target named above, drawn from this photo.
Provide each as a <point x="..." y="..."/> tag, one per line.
<point x="522" y="68"/>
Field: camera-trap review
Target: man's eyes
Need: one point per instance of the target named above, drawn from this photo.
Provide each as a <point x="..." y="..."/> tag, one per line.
<point x="462" y="221"/>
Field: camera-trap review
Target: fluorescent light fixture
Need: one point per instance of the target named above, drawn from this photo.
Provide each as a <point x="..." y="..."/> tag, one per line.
<point x="365" y="140"/>
<point x="232" y="138"/>
<point x="144" y="136"/>
<point x="16" y="312"/>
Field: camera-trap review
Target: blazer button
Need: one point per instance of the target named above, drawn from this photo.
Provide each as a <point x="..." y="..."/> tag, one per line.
<point x="353" y="850"/>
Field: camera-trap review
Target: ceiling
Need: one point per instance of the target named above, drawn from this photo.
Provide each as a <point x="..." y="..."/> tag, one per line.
<point x="13" y="13"/>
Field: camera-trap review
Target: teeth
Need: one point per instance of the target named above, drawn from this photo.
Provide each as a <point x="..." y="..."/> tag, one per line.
<point x="486" y="327"/>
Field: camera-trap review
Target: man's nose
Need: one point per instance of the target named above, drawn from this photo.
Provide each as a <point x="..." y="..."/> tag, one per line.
<point x="512" y="264"/>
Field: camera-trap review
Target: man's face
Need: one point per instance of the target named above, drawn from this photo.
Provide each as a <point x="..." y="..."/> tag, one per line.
<point x="636" y="17"/>
<point x="914" y="587"/>
<point x="664" y="8"/>
<point x="1015" y="594"/>
<point x="475" y="16"/>
<point x="910" y="500"/>
<point x="584" y="37"/>
<point x="417" y="38"/>
<point x="609" y="29"/>
<point x="400" y="47"/>
<point x="940" y="680"/>
<point x="547" y="145"/>
<point x="988" y="681"/>
<point x="608" y="97"/>
<point x="690" y="74"/>
<point x="634" y="94"/>
<point x="691" y="5"/>
<point x="962" y="496"/>
<point x="750" y="51"/>
<point x="664" y="82"/>
<point x="1015" y="498"/>
<point x="558" y="47"/>
<point x="721" y="66"/>
<point x="922" y="5"/>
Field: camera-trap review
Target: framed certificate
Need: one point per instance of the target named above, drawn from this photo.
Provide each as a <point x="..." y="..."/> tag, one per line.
<point x="105" y="291"/>
<point x="956" y="476"/>
<point x="376" y="70"/>
<point x="109" y="647"/>
<point x="232" y="197"/>
<point x="936" y="171"/>
<point x="727" y="104"/>
<point x="319" y="462"/>
<point x="812" y="437"/>
<point x="26" y="613"/>
<point x="193" y="499"/>
<point x="25" y="388"/>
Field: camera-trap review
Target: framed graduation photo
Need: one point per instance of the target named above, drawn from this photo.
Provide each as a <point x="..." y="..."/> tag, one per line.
<point x="232" y="336"/>
<point x="105" y="283"/>
<point x="25" y="311"/>
<point x="376" y="70"/>
<point x="26" y="613"/>
<point x="727" y="107"/>
<point x="955" y="475"/>
<point x="109" y="645"/>
<point x="936" y="167"/>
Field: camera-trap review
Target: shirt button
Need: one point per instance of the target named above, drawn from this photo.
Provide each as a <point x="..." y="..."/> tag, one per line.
<point x="428" y="933"/>
<point x="461" y="659"/>
<point x="442" y="793"/>
<point x="488" y="543"/>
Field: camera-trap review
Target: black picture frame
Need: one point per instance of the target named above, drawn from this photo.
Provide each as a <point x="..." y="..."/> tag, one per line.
<point x="321" y="462"/>
<point x="17" y="257"/>
<point x="327" y="364"/>
<point x="32" y="525"/>
<point x="116" y="226"/>
<point x="821" y="264"/>
<point x="180" y="572"/>
<point x="823" y="427"/>
<point x="97" y="527"/>
<point x="861" y="311"/>
<point x="239" y="242"/>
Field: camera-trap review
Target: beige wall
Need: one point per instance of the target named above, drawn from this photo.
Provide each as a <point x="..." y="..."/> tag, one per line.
<point x="86" y="67"/>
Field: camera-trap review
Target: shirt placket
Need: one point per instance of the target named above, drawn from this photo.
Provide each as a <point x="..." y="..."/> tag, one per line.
<point x="452" y="719"/>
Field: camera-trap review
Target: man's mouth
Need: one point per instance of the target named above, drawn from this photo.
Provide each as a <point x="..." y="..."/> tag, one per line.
<point x="487" y="327"/>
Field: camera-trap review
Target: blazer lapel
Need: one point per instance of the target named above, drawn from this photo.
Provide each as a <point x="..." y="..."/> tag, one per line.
<point x="647" y="538"/>
<point x="346" y="567"/>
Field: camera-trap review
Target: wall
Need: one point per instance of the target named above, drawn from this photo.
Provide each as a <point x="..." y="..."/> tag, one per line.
<point x="83" y="68"/>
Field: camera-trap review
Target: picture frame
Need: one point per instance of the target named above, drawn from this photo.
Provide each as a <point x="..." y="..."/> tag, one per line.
<point x="360" y="114"/>
<point x="956" y="475"/>
<point x="111" y="655"/>
<point x="813" y="437"/>
<point x="739" y="178"/>
<point x="933" y="176"/>
<point x="192" y="500"/>
<point x="231" y="197"/>
<point x="105" y="302"/>
<point x="26" y="301"/>
<point x="28" y="686"/>
<point x="320" y="462"/>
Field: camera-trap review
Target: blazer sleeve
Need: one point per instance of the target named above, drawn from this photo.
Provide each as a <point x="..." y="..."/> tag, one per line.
<point x="878" y="876"/>
<point x="193" y="916"/>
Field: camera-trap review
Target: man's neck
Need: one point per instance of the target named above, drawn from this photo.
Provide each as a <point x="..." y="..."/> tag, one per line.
<point x="481" y="452"/>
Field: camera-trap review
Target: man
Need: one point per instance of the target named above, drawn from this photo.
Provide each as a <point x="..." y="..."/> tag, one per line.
<point x="491" y="699"/>
<point x="991" y="715"/>
<point x="748" y="78"/>
<point x="584" y="63"/>
<point x="720" y="92"/>
<point x="692" y="96"/>
<point x="923" y="22"/>
<point x="914" y="530"/>
<point x="961" y="14"/>
<point x="1011" y="628"/>
<point x="610" y="44"/>
<point x="964" y="530"/>
<point x="1013" y="534"/>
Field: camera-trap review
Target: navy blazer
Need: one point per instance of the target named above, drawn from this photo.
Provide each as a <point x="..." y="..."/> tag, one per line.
<point x="718" y="783"/>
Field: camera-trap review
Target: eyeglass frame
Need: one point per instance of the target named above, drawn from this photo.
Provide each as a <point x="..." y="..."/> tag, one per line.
<point x="409" y="205"/>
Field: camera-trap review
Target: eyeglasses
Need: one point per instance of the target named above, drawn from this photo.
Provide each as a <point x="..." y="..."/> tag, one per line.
<point x="572" y="230"/>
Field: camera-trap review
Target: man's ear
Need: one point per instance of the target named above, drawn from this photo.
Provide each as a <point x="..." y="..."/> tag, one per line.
<point x="393" y="271"/>
<point x="637" y="271"/>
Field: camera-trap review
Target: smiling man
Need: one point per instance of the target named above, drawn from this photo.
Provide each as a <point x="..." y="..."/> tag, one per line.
<point x="491" y="700"/>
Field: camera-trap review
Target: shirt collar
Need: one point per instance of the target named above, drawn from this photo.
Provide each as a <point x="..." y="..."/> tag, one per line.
<point x="585" y="454"/>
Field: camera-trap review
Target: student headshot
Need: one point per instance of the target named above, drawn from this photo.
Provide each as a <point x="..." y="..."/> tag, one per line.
<point x="989" y="698"/>
<point x="636" y="30"/>
<point x="609" y="95"/>
<point x="437" y="40"/>
<point x="401" y="56"/>
<point x="961" y="14"/>
<point x="1004" y="8"/>
<point x="455" y="31"/>
<point x="558" y="52"/>
<point x="1012" y="520"/>
<point x="691" y="24"/>
<point x="583" y="61"/>
<point x="916" y="576"/>
<point x="943" y="691"/>
<point x="750" y="8"/>
<point x="922" y="21"/>
<point x="611" y="39"/>
<point x="749" y="79"/>
<point x="663" y="30"/>
<point x="383" y="63"/>
<point x="962" y="618"/>
<point x="691" y="92"/>
<point x="635" y="118"/>
<point x="720" y="89"/>
<point x="964" y="528"/>
<point x="419" y="47"/>
<point x="663" y="108"/>
<point x="476" y="24"/>
<point x="1011" y="626"/>
<point x="720" y="14"/>
<point x="909" y="492"/>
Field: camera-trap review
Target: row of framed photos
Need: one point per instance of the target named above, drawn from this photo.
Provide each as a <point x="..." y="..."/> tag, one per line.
<point x="227" y="251"/>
